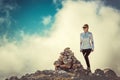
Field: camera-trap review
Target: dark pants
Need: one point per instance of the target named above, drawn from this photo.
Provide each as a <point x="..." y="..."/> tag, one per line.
<point x="86" y="53"/>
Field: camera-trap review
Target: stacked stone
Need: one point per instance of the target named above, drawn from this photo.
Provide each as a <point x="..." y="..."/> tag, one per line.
<point x="67" y="61"/>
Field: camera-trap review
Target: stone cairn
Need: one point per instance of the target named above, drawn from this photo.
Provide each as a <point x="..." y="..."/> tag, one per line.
<point x="67" y="61"/>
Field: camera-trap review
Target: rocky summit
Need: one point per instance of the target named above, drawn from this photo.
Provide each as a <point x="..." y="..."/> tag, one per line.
<point x="67" y="67"/>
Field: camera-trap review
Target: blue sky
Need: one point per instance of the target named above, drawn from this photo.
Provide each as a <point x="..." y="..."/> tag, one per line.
<point x="27" y="16"/>
<point x="30" y="14"/>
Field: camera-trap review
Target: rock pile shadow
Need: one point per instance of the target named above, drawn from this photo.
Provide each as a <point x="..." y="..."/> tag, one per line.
<point x="67" y="67"/>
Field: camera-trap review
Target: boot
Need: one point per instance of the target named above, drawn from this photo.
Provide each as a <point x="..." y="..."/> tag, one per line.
<point x="89" y="71"/>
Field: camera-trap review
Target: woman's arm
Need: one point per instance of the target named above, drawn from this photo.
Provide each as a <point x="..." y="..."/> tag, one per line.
<point x="80" y="43"/>
<point x="92" y="41"/>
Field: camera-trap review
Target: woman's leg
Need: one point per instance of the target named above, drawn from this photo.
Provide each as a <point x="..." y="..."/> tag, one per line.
<point x="86" y="54"/>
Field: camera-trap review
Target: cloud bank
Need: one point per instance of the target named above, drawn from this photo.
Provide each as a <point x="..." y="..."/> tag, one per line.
<point x="36" y="52"/>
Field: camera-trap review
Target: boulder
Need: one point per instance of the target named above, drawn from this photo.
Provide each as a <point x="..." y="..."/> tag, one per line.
<point x="110" y="74"/>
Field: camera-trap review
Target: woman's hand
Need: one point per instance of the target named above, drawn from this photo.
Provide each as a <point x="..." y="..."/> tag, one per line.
<point x="81" y="50"/>
<point x="92" y="50"/>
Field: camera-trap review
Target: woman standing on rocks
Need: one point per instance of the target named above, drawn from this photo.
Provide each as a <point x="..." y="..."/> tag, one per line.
<point x="86" y="44"/>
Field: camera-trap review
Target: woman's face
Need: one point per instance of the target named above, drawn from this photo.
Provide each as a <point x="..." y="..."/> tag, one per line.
<point x="85" y="29"/>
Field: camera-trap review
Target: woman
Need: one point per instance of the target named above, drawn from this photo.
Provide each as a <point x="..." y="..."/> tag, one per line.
<point x="86" y="44"/>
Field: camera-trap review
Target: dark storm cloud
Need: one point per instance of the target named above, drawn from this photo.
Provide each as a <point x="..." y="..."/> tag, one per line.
<point x="113" y="3"/>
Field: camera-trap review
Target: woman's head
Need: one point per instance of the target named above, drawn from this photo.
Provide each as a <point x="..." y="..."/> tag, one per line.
<point x="85" y="27"/>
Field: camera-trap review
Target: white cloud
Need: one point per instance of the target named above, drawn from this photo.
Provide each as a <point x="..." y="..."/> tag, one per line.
<point x="57" y="4"/>
<point x="36" y="52"/>
<point x="6" y="19"/>
<point x="54" y="1"/>
<point x="46" y="20"/>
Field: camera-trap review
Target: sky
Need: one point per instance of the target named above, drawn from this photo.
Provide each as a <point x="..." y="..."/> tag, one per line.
<point x="34" y="32"/>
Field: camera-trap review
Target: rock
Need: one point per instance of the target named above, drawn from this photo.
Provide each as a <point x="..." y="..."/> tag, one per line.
<point x="67" y="61"/>
<point x="99" y="72"/>
<point x="38" y="72"/>
<point x="67" y="67"/>
<point x="13" y="78"/>
<point x="64" y="75"/>
<point x="48" y="72"/>
<point x="110" y="74"/>
<point x="61" y="71"/>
